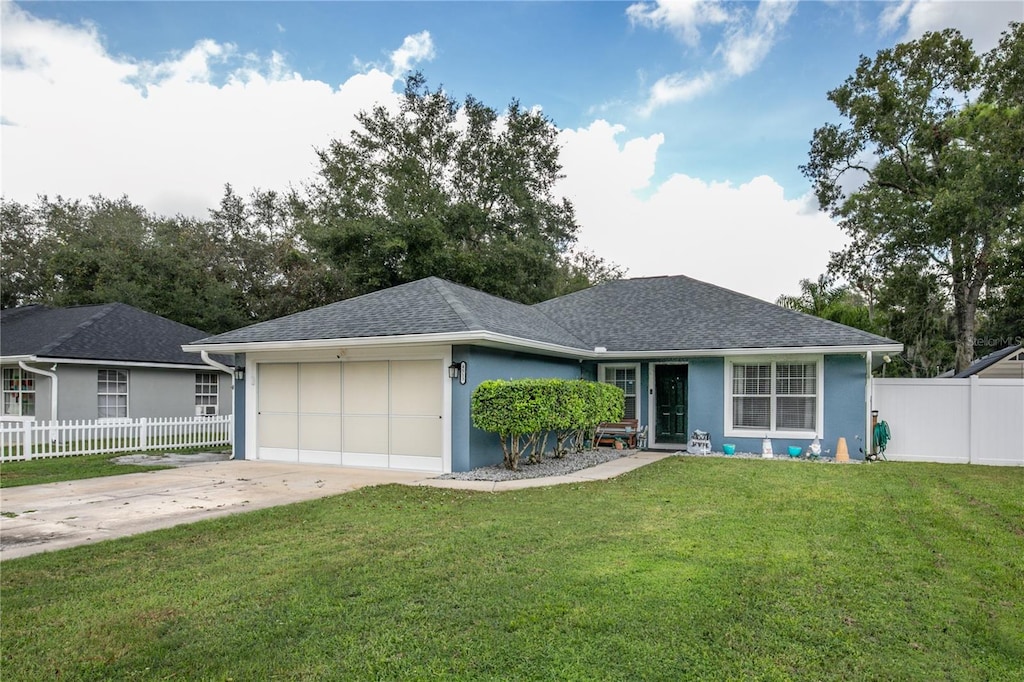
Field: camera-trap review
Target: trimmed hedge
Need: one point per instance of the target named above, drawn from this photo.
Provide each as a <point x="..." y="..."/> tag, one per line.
<point x="523" y="412"/>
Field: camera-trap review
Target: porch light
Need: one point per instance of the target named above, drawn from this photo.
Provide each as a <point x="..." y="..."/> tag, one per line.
<point x="239" y="373"/>
<point x="457" y="370"/>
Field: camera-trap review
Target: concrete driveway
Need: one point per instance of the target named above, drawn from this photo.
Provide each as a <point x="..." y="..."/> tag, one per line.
<point x="40" y="518"/>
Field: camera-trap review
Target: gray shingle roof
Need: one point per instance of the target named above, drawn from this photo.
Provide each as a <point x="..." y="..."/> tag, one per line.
<point x="680" y="313"/>
<point x="426" y="306"/>
<point x="112" y="331"/>
<point x="646" y="314"/>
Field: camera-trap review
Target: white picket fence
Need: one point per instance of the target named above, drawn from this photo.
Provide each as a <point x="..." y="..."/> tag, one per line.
<point x="27" y="439"/>
<point x="965" y="421"/>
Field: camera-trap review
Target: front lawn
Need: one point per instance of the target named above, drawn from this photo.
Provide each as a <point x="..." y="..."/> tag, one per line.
<point x="690" y="568"/>
<point x="56" y="469"/>
<point x="72" y="468"/>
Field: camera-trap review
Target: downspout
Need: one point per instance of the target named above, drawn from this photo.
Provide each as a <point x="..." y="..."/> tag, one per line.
<point x="231" y="373"/>
<point x="216" y="365"/>
<point x="53" y="387"/>
<point x="869" y="400"/>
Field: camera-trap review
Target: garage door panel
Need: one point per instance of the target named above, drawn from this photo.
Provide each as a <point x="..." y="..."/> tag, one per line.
<point x="279" y="454"/>
<point x="365" y="434"/>
<point x="362" y="459"/>
<point x="278" y="431"/>
<point x="365" y="387"/>
<point x="320" y="384"/>
<point x="279" y="388"/>
<point x="420" y="436"/>
<point x="320" y="432"/>
<point x="433" y="464"/>
<point x="320" y="457"/>
<point x="416" y="387"/>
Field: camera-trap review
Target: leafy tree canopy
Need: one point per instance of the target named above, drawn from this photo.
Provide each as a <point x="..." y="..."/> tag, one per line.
<point x="933" y="141"/>
<point x="244" y="265"/>
<point x="453" y="190"/>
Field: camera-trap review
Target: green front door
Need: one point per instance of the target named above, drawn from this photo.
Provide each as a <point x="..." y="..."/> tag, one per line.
<point x="670" y="403"/>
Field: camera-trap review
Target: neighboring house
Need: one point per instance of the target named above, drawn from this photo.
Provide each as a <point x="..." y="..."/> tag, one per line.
<point x="385" y="379"/>
<point x="109" y="361"/>
<point x="1007" y="363"/>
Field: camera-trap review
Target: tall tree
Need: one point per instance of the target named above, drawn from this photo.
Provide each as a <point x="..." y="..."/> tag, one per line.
<point x="271" y="269"/>
<point x="21" y="260"/>
<point x="454" y="190"/>
<point x="933" y="138"/>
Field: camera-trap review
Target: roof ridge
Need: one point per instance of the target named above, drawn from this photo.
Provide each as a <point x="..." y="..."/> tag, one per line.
<point x="104" y="310"/>
<point x="441" y="286"/>
<point x="447" y="291"/>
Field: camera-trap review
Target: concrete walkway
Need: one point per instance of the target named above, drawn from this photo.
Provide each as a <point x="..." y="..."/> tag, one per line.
<point x="41" y="518"/>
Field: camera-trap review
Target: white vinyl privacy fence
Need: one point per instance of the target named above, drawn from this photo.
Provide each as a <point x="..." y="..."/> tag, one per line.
<point x="28" y="439"/>
<point x="966" y="421"/>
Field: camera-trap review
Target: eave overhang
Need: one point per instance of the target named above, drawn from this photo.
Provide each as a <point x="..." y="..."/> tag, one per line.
<point x="513" y="343"/>
<point x="105" y="363"/>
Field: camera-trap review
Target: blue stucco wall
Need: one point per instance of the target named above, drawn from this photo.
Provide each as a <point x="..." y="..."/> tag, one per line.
<point x="238" y="450"/>
<point x="706" y="398"/>
<point x="471" y="447"/>
<point x="843" y="395"/>
<point x="845" y="406"/>
<point x="844" y="411"/>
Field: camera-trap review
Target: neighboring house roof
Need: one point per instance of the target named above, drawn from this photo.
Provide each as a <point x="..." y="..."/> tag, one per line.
<point x="981" y="363"/>
<point x="108" y="332"/>
<point x="640" y="315"/>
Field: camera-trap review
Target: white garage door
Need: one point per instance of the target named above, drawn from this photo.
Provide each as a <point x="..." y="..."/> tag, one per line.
<point x="385" y="413"/>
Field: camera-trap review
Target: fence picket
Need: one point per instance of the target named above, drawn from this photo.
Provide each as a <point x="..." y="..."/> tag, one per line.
<point x="26" y="439"/>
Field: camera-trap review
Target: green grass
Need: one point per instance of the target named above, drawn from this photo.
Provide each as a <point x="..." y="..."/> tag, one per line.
<point x="56" y="469"/>
<point x="690" y="568"/>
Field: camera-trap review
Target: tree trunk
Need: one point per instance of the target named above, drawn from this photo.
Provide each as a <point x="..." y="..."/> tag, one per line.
<point x="965" y="309"/>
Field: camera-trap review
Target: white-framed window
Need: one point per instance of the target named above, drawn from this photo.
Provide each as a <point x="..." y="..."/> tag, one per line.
<point x="206" y="393"/>
<point x="777" y="397"/>
<point x="625" y="377"/>
<point x="112" y="393"/>
<point x="19" y="389"/>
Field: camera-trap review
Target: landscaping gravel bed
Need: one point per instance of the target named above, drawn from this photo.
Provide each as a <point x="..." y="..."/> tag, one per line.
<point x="549" y="466"/>
<point x="584" y="460"/>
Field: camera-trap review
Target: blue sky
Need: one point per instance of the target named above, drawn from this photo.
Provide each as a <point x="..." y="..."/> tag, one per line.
<point x="684" y="122"/>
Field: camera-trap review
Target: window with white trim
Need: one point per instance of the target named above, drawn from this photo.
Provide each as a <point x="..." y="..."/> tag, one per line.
<point x="19" y="393"/>
<point x="775" y="396"/>
<point x="625" y="378"/>
<point x="112" y="393"/>
<point x="206" y="393"/>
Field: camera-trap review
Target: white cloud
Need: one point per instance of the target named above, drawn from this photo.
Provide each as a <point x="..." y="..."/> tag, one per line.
<point x="746" y="46"/>
<point x="982" y="21"/>
<point x="80" y="121"/>
<point x="745" y="43"/>
<point x="893" y="15"/>
<point x="684" y="18"/>
<point x="676" y="87"/>
<point x="748" y="238"/>
<point x="415" y="48"/>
